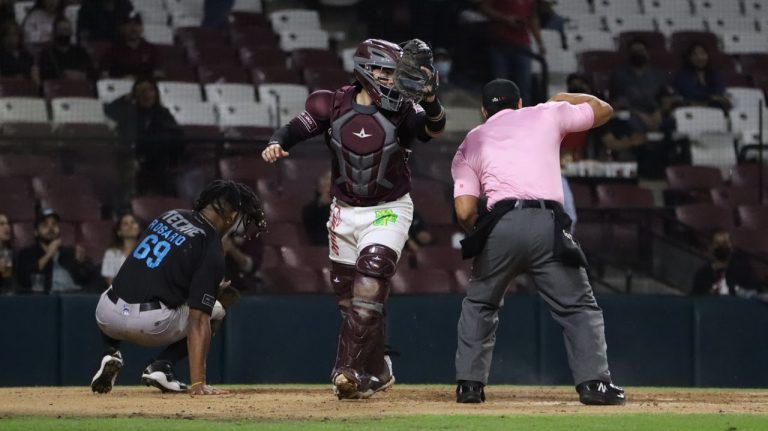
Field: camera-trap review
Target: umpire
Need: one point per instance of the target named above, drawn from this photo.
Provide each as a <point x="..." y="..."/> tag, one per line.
<point x="514" y="160"/>
<point x="165" y="294"/>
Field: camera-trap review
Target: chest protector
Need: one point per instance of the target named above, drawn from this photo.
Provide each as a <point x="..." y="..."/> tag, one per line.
<point x="365" y="145"/>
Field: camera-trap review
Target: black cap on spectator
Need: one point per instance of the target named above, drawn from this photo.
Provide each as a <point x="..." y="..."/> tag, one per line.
<point x="44" y="214"/>
<point x="500" y="94"/>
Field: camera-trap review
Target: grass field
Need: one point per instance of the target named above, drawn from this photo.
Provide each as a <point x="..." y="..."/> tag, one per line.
<point x="405" y="407"/>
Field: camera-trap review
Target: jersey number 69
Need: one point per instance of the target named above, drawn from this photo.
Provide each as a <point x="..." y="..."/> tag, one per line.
<point x="152" y="244"/>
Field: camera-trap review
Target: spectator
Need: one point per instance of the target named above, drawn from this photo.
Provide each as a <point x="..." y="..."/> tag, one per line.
<point x="48" y="266"/>
<point x="146" y="125"/>
<point x="125" y="237"/>
<point x="132" y="56"/>
<point x="242" y="259"/>
<point x="38" y="24"/>
<point x="314" y="215"/>
<point x="7" y="12"/>
<point x="419" y="234"/>
<point x="15" y="61"/>
<point x="99" y="20"/>
<point x="698" y="82"/>
<point x="62" y="59"/>
<point x="728" y="272"/>
<point x="511" y="22"/>
<point x="575" y="144"/>
<point x="6" y="254"/>
<point x="636" y="87"/>
<point x="450" y="93"/>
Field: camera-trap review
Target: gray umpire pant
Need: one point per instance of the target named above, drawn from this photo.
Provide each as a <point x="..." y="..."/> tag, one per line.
<point x="521" y="242"/>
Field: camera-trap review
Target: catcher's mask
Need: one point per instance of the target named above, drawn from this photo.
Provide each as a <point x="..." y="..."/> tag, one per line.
<point x="372" y="54"/>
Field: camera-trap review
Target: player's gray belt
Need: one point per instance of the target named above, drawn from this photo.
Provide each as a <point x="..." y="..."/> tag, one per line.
<point x="144" y="306"/>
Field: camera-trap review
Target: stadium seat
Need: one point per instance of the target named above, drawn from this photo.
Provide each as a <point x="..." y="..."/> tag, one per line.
<point x="751" y="240"/>
<point x="245" y="114"/>
<point x="245" y="168"/>
<point x="212" y="55"/>
<point x="74" y="207"/>
<point x="303" y="38"/>
<point x="27" y="164"/>
<point x="26" y="130"/>
<point x="284" y="100"/>
<point x="23" y="110"/>
<point x="669" y="25"/>
<point x="229" y="93"/>
<point x="159" y="34"/>
<point x="693" y="177"/>
<point x="756" y="8"/>
<point x="422" y="281"/>
<point x="77" y="110"/>
<point x="251" y="6"/>
<point x="695" y="121"/>
<point x="681" y="41"/>
<point x="740" y="42"/>
<point x="18" y="186"/>
<point x="293" y="19"/>
<point x="611" y="8"/>
<point x="584" y="22"/>
<point x="281" y="280"/>
<point x="326" y="79"/>
<point x="663" y="8"/>
<point x="617" y="24"/>
<point x="24" y="234"/>
<point x="721" y="24"/>
<point x="624" y="196"/>
<point x="180" y="92"/>
<point x="283" y="234"/>
<point x="193" y="113"/>
<point x="287" y="210"/>
<point x="18" y="208"/>
<point x="748" y="175"/>
<point x="194" y="36"/>
<point x="445" y="258"/>
<point x="271" y="257"/>
<point x="753" y="216"/>
<point x="732" y="197"/>
<point x="261" y="57"/>
<point x="96" y="236"/>
<point x="53" y="88"/>
<point x="180" y="73"/>
<point x="315" y="58"/>
<point x="152" y="12"/>
<point x="253" y="37"/>
<point x="704" y="217"/>
<point x="311" y="257"/>
<point x="347" y="59"/>
<point x="274" y="75"/>
<point x="170" y="56"/>
<point x="112" y="89"/>
<point x="745" y="123"/>
<point x="580" y="41"/>
<point x="299" y="169"/>
<point x="655" y="41"/>
<point x="746" y="98"/>
<point x="599" y="61"/>
<point x="224" y="73"/>
<point x="147" y="208"/>
<point x="708" y="8"/>
<point x="14" y="87"/>
<point x="61" y="185"/>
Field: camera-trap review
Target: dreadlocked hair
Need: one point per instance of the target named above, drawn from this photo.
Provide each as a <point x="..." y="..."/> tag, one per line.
<point x="238" y="196"/>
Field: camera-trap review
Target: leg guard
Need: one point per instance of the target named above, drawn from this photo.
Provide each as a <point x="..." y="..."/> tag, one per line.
<point x="342" y="279"/>
<point x="362" y="330"/>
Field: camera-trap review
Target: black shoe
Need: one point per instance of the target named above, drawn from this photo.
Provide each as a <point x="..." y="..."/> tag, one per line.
<point x="160" y="375"/>
<point x="598" y="393"/>
<point x="468" y="391"/>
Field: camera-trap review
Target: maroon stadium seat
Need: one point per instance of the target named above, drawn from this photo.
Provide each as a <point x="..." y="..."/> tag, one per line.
<point x="624" y="196"/>
<point x="254" y="36"/>
<point x="582" y="195"/>
<point x="306" y="257"/>
<point x="421" y="281"/>
<point x="14" y="87"/>
<point x="269" y="189"/>
<point x="274" y="74"/>
<point x="62" y="185"/>
<point x="90" y="131"/>
<point x="316" y="58"/>
<point x="754" y="216"/>
<point x="681" y="41"/>
<point x="261" y="57"/>
<point x="748" y="175"/>
<point x="654" y="40"/>
<point x="429" y="188"/>
<point x="195" y="36"/>
<point x="325" y="79"/>
<point x="292" y="280"/>
<point x="211" y="54"/>
<point x="53" y="88"/>
<point x="24" y="234"/>
<point x="27" y="130"/>
<point x="147" y="208"/>
<point x="446" y="258"/>
<point x="231" y="73"/>
<point x="693" y="177"/>
<point x="246" y="168"/>
<point x="735" y="79"/>
<point x="17" y="187"/>
<point x="753" y="64"/>
<point x="305" y="169"/>
<point x="27" y="164"/>
<point x="751" y="240"/>
<point x="178" y="73"/>
<point x="249" y="19"/>
<point x="280" y="233"/>
<point x="18" y="208"/>
<point x="97" y="50"/>
<point x="285" y="210"/>
<point x="96" y="236"/>
<point x="704" y="217"/>
<point x="271" y="257"/>
<point x="74" y="207"/>
<point x="733" y="197"/>
<point x="596" y="61"/>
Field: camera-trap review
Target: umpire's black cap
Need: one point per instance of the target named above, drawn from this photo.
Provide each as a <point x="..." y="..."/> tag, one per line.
<point x="500" y="94"/>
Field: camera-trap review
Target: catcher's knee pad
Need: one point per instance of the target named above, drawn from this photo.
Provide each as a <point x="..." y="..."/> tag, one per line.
<point x="377" y="261"/>
<point x="342" y="279"/>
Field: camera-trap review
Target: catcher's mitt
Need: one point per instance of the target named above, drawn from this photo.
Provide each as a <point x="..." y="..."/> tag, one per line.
<point x="411" y="80"/>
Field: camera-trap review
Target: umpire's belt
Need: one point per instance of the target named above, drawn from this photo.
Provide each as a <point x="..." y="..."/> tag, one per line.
<point x="144" y="306"/>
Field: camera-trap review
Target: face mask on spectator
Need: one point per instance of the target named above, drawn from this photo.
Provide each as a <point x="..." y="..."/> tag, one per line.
<point x="443" y="68"/>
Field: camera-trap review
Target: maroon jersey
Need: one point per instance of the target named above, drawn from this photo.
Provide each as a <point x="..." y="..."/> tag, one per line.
<point x="368" y="146"/>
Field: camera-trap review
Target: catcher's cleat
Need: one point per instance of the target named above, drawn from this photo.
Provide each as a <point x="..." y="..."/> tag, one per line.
<point x="160" y="375"/>
<point x="599" y="393"/>
<point x="348" y="385"/>
<point x="381" y="385"/>
<point x="470" y="392"/>
<point x="104" y="378"/>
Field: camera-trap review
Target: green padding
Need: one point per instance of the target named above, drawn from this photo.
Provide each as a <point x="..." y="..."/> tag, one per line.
<point x="731" y="342"/>
<point x="30" y="339"/>
<point x="281" y="339"/>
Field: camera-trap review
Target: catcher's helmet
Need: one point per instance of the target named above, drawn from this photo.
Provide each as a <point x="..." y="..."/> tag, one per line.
<point x="373" y="53"/>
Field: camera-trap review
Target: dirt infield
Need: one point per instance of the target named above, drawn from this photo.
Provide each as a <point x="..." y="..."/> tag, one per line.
<point x="318" y="403"/>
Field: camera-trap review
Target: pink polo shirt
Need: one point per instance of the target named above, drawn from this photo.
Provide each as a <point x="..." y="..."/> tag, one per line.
<point x="515" y="154"/>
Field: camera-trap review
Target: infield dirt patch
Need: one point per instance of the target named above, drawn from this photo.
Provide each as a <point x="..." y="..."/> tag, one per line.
<point x="318" y="403"/>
